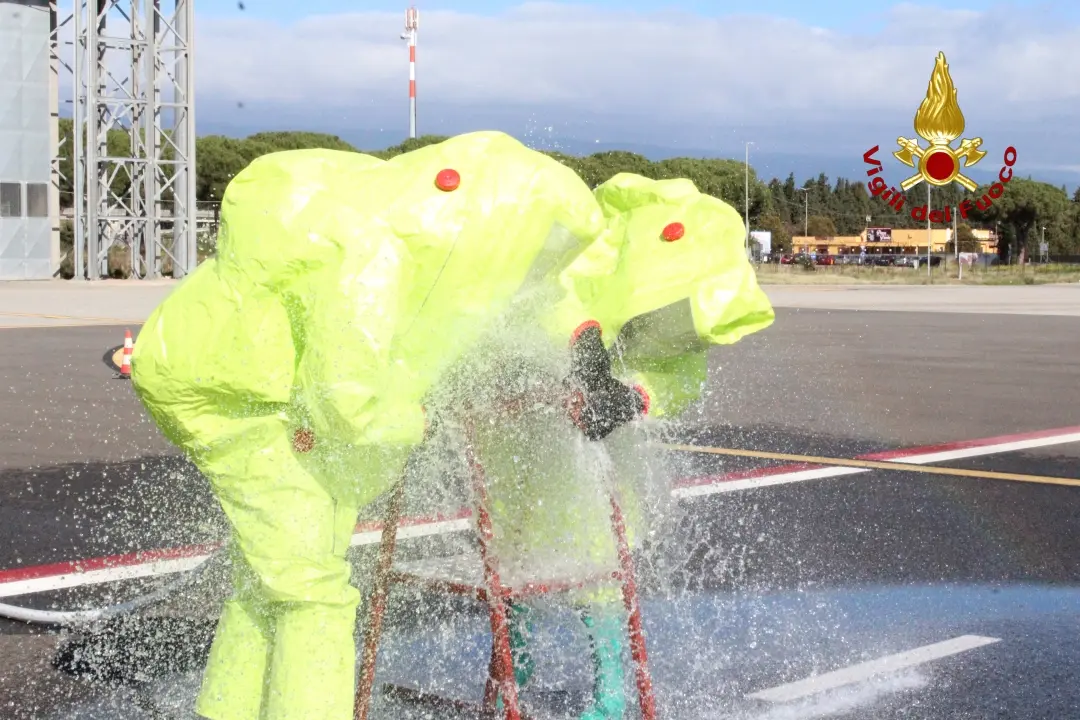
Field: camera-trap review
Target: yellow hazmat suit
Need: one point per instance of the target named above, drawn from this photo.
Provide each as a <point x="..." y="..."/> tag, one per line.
<point x="668" y="278"/>
<point x="292" y="370"/>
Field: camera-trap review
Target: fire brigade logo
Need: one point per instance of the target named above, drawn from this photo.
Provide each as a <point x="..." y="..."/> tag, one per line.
<point x="939" y="122"/>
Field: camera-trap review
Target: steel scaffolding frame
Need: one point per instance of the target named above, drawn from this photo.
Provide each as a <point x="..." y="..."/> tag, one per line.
<point x="132" y="70"/>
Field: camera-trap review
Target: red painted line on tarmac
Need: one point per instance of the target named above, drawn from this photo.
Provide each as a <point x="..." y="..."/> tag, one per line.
<point x="964" y="444"/>
<point x="884" y="455"/>
<point x="149" y="556"/>
<point x="103" y="563"/>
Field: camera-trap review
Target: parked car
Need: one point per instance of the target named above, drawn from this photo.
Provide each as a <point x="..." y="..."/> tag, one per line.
<point x="917" y="261"/>
<point x="826" y="260"/>
<point x="881" y="260"/>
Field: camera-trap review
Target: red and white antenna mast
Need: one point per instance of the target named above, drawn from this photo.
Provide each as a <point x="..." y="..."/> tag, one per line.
<point x="412" y="24"/>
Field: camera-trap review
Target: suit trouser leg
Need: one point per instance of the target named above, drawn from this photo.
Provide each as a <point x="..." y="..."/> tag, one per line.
<point x="284" y="648"/>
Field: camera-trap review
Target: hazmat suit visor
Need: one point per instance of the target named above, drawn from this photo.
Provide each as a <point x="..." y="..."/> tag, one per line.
<point x="683" y="281"/>
<point x="666" y="332"/>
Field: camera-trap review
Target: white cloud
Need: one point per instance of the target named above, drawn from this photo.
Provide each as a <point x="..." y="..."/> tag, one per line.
<point x="550" y="72"/>
<point x="663" y="65"/>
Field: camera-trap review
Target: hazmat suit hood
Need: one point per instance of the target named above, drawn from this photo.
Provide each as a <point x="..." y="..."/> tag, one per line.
<point x="681" y="282"/>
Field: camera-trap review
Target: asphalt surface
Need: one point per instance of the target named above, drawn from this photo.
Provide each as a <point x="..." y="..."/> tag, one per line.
<point x="851" y="567"/>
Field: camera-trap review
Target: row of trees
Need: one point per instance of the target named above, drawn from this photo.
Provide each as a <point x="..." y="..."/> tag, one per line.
<point x="1028" y="211"/>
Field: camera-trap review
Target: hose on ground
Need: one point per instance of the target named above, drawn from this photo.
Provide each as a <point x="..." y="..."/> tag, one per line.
<point x="77" y="618"/>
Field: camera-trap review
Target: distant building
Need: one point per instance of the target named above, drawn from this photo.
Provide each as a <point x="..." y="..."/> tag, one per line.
<point x="764" y="240"/>
<point x="888" y="241"/>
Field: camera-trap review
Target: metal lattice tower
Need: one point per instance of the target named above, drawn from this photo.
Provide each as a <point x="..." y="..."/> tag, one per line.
<point x="134" y="161"/>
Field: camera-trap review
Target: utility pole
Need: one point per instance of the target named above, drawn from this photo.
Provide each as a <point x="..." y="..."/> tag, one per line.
<point x="806" y="210"/>
<point x="412" y="25"/>
<point x="956" y="244"/>
<point x="865" y="239"/>
<point x="929" y="234"/>
<point x="746" y="200"/>
<point x="78" y="159"/>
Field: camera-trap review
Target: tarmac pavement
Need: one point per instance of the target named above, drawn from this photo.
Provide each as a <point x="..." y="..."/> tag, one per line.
<point x="842" y="373"/>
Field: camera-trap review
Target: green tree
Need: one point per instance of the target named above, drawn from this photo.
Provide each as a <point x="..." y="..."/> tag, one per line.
<point x="965" y="236"/>
<point x="839" y="206"/>
<point x="600" y="167"/>
<point x="1026" y="206"/>
<point x="292" y="140"/>
<point x="781" y="236"/>
<point x="218" y="159"/>
<point x="821" y="226"/>
<point x="403" y="147"/>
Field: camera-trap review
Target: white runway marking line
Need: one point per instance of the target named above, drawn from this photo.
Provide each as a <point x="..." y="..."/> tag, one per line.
<point x="98" y="577"/>
<point x="831" y="472"/>
<point x="12" y="588"/>
<point x="871" y="669"/>
<point x="764" y="481"/>
<point x="408" y="532"/>
<point x="961" y="453"/>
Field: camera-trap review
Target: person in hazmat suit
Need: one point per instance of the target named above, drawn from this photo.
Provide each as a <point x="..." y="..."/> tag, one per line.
<point x="292" y="369"/>
<point x="667" y="280"/>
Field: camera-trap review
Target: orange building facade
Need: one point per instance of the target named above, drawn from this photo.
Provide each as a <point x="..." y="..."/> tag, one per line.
<point x="888" y="241"/>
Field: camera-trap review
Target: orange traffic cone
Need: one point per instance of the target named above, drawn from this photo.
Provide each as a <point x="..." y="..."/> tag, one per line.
<point x="125" y="366"/>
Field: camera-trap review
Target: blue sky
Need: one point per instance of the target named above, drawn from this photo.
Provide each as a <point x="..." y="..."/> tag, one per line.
<point x="820" y="81"/>
<point x="845" y="15"/>
<point x="833" y="14"/>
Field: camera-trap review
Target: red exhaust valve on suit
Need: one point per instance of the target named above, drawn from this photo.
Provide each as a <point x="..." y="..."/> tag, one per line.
<point x="303" y="440"/>
<point x="673" y="231"/>
<point x="448" y="180"/>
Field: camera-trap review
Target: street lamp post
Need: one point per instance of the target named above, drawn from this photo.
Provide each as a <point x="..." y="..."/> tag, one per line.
<point x="929" y="233"/>
<point x="806" y="211"/>
<point x="746" y="198"/>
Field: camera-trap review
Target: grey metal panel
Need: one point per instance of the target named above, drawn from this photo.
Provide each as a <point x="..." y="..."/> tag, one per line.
<point x="25" y="154"/>
<point x="12" y="231"/>
<point x="38" y="245"/>
<point x="24" y="246"/>
<point x="27" y="3"/>
<point x="25" y="150"/>
<point x="37" y="155"/>
<point x="12" y="249"/>
<point x="10" y="93"/>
